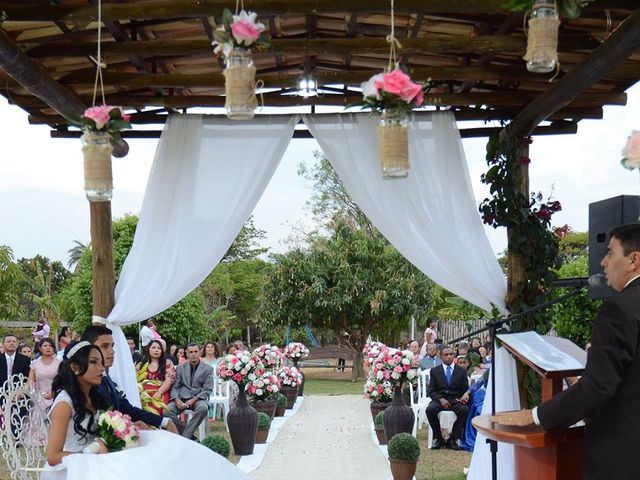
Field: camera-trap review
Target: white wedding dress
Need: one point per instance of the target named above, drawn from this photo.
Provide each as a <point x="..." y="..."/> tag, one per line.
<point x="160" y="455"/>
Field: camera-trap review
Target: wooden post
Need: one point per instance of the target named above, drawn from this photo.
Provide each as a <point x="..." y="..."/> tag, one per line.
<point x="102" y="258"/>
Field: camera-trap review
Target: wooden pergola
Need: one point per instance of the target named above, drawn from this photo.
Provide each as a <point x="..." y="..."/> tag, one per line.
<point x="159" y="60"/>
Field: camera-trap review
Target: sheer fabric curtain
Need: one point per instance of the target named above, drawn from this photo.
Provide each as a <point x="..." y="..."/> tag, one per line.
<point x="431" y="216"/>
<point x="207" y="176"/>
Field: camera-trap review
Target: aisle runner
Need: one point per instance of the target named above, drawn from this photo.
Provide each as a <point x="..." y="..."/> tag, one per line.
<point x="329" y="438"/>
<point x="249" y="463"/>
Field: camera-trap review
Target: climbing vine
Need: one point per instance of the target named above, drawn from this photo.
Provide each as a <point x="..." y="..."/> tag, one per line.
<point x="527" y="218"/>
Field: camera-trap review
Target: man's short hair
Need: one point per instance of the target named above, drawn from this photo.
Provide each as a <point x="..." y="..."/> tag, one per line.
<point x="629" y="237"/>
<point x="444" y="347"/>
<point x="92" y="333"/>
<point x="463" y="344"/>
<point x="9" y="335"/>
<point x="192" y="344"/>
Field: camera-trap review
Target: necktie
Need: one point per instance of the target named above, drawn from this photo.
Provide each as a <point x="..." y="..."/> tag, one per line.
<point x="448" y="373"/>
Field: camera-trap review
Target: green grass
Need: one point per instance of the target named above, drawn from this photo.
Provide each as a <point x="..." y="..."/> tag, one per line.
<point x="314" y="386"/>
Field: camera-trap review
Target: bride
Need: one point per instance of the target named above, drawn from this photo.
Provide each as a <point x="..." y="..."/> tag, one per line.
<point x="75" y="453"/>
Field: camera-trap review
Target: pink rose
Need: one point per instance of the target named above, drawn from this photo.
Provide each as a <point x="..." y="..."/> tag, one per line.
<point x="245" y="29"/>
<point x="237" y="377"/>
<point x="632" y="148"/>
<point x="398" y="83"/>
<point x="100" y="115"/>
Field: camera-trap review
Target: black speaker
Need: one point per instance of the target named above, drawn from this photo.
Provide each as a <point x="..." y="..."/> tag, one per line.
<point x="604" y="216"/>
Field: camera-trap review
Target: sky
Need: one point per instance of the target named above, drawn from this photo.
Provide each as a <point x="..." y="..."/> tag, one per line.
<point x="43" y="208"/>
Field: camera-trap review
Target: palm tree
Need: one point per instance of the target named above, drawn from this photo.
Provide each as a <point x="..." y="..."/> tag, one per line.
<point x="75" y="254"/>
<point x="43" y="296"/>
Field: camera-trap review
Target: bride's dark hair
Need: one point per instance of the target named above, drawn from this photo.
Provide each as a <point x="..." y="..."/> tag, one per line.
<point x="67" y="380"/>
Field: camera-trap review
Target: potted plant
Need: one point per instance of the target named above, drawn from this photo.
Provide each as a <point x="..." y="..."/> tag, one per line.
<point x="218" y="444"/>
<point x="242" y="420"/>
<point x="379" y="428"/>
<point x="404" y="452"/>
<point x="264" y="423"/>
<point x="281" y="406"/>
<point x="296" y="351"/>
<point x="270" y="355"/>
<point x="262" y="390"/>
<point x="290" y="380"/>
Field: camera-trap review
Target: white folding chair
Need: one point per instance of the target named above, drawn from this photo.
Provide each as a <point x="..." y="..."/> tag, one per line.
<point x="420" y="402"/>
<point x="220" y="398"/>
<point x="446" y="418"/>
<point x="201" y="428"/>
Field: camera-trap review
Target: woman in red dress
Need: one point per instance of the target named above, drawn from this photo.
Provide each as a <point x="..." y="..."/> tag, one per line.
<point x="160" y="375"/>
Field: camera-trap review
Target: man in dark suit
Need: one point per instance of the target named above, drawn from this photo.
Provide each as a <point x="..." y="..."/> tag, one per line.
<point x="449" y="390"/>
<point x="607" y="394"/>
<point x="12" y="362"/>
<point x="102" y="337"/>
<point x="191" y="390"/>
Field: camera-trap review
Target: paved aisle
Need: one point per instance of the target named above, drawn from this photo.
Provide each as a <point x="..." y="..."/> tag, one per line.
<point x="329" y="438"/>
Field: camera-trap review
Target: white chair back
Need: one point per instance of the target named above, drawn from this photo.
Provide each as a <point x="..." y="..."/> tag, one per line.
<point x="23" y="431"/>
<point x="423" y="384"/>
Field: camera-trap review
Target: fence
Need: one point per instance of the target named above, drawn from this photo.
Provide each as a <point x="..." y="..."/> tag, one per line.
<point x="450" y="329"/>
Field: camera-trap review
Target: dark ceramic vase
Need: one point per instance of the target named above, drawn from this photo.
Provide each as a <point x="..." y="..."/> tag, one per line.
<point x="301" y="387"/>
<point x="291" y="393"/>
<point x="377" y="407"/>
<point x="265" y="406"/>
<point x="242" y="421"/>
<point x="398" y="417"/>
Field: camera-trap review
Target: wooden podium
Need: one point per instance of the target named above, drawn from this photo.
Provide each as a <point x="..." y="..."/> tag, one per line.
<point x="541" y="455"/>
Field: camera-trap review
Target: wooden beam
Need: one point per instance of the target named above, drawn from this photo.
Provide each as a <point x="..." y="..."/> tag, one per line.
<point x="506" y="99"/>
<point x="433" y="43"/>
<point x="562" y="129"/>
<point x="622" y="43"/>
<point x="37" y="80"/>
<point x="103" y="275"/>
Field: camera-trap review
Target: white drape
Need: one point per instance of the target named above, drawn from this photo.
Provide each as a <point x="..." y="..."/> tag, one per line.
<point x="507" y="398"/>
<point x="207" y="176"/>
<point x="431" y="216"/>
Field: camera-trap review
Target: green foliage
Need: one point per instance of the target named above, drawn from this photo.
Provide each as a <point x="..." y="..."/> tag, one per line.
<point x="246" y="244"/>
<point x="218" y="444"/>
<point x="378" y="422"/>
<point x="183" y="322"/>
<point x="404" y="446"/>
<point x="528" y="222"/>
<point x="282" y="400"/>
<point x="11" y="278"/>
<point x="573" y="318"/>
<point x="264" y="422"/>
<point x="76" y="252"/>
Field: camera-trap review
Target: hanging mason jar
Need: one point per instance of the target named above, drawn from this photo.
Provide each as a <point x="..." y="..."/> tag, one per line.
<point x="240" y="80"/>
<point x="98" y="181"/>
<point x="542" y="41"/>
<point x="393" y="141"/>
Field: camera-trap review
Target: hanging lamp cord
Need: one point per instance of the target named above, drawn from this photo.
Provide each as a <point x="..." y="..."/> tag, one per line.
<point x="98" y="61"/>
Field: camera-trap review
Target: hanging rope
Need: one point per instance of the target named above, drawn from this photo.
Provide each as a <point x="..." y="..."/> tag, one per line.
<point x="239" y="3"/>
<point x="98" y="61"/>
<point x="393" y="42"/>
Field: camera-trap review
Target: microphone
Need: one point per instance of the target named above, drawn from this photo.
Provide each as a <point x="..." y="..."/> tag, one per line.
<point x="597" y="280"/>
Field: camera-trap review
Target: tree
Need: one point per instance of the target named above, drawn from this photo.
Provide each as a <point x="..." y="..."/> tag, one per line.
<point x="11" y="277"/>
<point x="182" y="322"/>
<point x="43" y="281"/>
<point x="353" y="282"/>
<point x="76" y="252"/>
<point x="245" y="246"/>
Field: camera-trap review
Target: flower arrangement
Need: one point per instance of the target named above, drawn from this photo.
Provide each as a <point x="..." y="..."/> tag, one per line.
<point x="117" y="431"/>
<point x="270" y="355"/>
<point x="238" y="31"/>
<point x="371" y="351"/>
<point x="263" y="386"/>
<point x="296" y="350"/>
<point x="631" y="151"/>
<point x="103" y="118"/>
<point x="395" y="366"/>
<point x="393" y="91"/>
<point x="290" y="376"/>
<point x="378" y="390"/>
<point x="240" y="367"/>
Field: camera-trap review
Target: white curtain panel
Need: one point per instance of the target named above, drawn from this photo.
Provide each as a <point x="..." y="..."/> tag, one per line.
<point x="431" y="216"/>
<point x="207" y="176"/>
<point x="507" y="399"/>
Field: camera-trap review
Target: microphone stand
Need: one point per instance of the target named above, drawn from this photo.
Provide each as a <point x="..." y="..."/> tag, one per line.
<point x="493" y="325"/>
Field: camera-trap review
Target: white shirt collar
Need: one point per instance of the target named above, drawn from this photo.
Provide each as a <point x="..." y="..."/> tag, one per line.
<point x="8" y="355"/>
<point x="631" y="280"/>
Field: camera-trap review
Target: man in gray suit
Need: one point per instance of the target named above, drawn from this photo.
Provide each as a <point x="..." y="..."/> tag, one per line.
<point x="191" y="390"/>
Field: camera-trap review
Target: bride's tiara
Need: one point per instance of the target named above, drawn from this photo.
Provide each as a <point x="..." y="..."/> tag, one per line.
<point x="77" y="347"/>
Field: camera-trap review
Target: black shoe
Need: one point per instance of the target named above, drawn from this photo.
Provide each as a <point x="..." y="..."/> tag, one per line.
<point x="438" y="443"/>
<point x="452" y="444"/>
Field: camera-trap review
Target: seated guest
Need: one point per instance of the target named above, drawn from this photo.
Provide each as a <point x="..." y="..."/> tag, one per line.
<point x="449" y="390"/>
<point x="136" y="356"/>
<point x="463" y="362"/>
<point x="414" y="347"/>
<point x="64" y="338"/>
<point x="211" y="354"/>
<point x="191" y="390"/>
<point x="25" y="350"/>
<point x="12" y="362"/>
<point x="181" y="356"/>
<point x="477" y="392"/>
<point x="462" y="350"/>
<point x="431" y="359"/>
<point x="160" y="375"/>
<point x="475" y="343"/>
<point x="101" y="336"/>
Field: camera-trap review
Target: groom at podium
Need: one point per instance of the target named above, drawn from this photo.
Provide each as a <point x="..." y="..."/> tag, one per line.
<point x="607" y="396"/>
